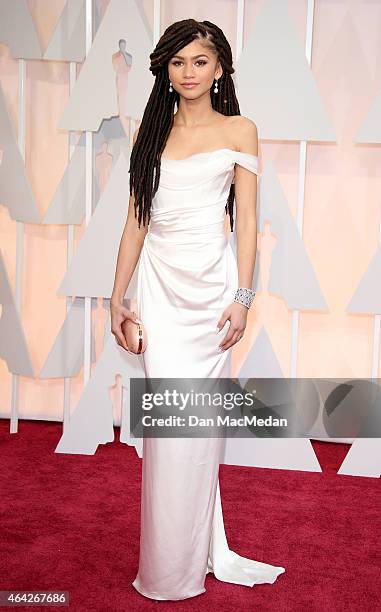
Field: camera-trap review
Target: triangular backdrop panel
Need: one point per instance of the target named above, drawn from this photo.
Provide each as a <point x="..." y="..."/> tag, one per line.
<point x="92" y="268"/>
<point x="301" y="289"/>
<point x="275" y="85"/>
<point x="110" y="129"/>
<point x="261" y="359"/>
<point x="363" y="458"/>
<point x="287" y="454"/>
<point x="68" y="203"/>
<point x="370" y="131"/>
<point x="17" y="30"/>
<point x="15" y="190"/>
<point x="94" y="96"/>
<point x="13" y="346"/>
<point x="92" y="420"/>
<point x="367" y="297"/>
<point x="346" y="88"/>
<point x="68" y="42"/>
<point x="65" y="359"/>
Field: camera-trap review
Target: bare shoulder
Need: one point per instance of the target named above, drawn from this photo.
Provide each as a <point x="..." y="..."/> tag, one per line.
<point x="244" y="123"/>
<point x="245" y="134"/>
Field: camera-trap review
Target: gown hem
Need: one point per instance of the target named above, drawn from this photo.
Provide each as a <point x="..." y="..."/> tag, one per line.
<point x="137" y="586"/>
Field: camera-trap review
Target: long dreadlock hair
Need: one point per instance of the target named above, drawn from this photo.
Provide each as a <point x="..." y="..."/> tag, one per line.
<point x="157" y="119"/>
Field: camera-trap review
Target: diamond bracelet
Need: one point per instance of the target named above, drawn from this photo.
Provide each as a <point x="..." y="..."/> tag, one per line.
<point x="244" y="296"/>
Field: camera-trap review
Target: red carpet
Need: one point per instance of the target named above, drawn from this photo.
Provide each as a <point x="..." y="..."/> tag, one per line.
<point x="71" y="523"/>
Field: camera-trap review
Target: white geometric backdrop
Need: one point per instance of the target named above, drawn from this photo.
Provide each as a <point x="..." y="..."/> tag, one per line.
<point x="277" y="89"/>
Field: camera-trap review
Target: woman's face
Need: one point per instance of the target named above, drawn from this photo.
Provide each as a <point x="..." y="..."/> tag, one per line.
<point x="193" y="65"/>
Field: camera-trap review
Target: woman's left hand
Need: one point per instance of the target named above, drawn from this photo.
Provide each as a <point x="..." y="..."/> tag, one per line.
<point x="237" y="315"/>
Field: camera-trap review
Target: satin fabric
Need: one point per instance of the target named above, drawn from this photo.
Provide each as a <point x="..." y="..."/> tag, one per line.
<point x="187" y="275"/>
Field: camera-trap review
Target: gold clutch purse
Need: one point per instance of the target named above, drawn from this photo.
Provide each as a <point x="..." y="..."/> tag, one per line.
<point x="134" y="333"/>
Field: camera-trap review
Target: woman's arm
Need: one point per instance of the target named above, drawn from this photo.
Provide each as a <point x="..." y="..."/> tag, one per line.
<point x="130" y="246"/>
<point x="245" y="183"/>
<point x="246" y="204"/>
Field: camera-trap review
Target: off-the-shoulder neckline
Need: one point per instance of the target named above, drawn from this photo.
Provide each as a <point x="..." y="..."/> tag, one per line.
<point x="168" y="159"/>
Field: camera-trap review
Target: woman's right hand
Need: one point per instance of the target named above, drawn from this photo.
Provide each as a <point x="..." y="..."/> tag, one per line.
<point x="120" y="313"/>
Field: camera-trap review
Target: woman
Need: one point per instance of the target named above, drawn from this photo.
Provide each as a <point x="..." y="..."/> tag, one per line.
<point x="185" y="171"/>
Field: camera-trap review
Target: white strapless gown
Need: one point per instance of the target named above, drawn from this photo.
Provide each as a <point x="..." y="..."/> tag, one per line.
<point x="187" y="276"/>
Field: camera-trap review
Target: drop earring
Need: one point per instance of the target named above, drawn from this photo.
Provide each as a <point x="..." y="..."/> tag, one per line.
<point x="216" y="86"/>
<point x="170" y="86"/>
